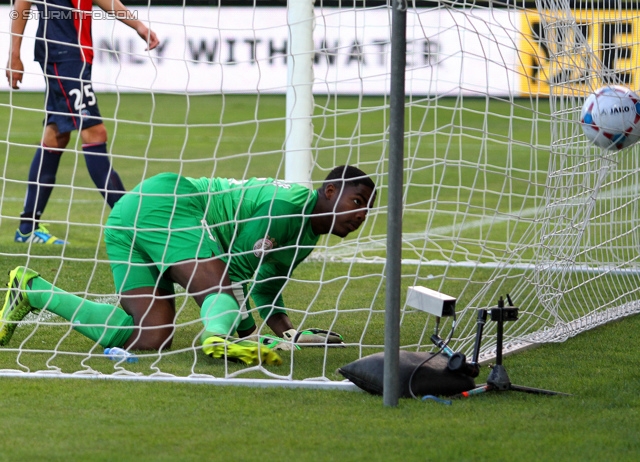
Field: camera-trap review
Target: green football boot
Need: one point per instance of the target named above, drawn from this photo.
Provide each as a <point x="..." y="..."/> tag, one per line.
<point x="240" y="351"/>
<point x="16" y="303"/>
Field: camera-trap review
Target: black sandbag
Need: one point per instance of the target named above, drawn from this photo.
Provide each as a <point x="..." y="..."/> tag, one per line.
<point x="431" y="378"/>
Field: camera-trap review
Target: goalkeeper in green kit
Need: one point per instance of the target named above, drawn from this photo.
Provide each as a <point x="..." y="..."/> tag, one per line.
<point x="210" y="236"/>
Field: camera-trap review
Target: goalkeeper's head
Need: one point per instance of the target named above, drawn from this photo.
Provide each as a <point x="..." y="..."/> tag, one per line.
<point x="344" y="199"/>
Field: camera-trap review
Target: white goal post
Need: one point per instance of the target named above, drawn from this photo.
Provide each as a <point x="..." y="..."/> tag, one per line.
<point x="299" y="133"/>
<point x="502" y="192"/>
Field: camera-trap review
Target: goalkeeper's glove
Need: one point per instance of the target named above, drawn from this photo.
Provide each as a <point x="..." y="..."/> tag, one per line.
<point x="314" y="337"/>
<point x="292" y="339"/>
<point x="278" y="343"/>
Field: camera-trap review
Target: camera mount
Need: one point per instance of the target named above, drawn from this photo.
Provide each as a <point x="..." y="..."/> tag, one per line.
<point x="498" y="379"/>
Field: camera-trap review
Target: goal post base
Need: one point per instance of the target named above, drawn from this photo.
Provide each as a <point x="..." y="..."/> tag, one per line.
<point x="255" y="383"/>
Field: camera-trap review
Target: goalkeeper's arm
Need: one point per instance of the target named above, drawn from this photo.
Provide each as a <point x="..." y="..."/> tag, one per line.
<point x="268" y="298"/>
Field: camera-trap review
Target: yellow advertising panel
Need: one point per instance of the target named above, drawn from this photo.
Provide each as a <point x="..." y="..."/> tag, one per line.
<point x="575" y="52"/>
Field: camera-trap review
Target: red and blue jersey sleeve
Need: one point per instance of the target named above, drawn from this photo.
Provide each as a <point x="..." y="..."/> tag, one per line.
<point x="64" y="31"/>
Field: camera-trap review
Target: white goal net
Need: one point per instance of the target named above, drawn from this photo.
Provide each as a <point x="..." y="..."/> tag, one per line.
<point x="503" y="193"/>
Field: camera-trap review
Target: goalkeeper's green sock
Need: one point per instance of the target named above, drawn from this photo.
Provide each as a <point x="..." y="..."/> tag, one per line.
<point x="220" y="314"/>
<point x="101" y="322"/>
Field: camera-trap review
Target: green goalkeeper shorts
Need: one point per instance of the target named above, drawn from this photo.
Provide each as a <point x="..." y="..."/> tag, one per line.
<point x="157" y="224"/>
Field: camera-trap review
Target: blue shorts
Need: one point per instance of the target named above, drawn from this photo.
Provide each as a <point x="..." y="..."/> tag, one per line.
<point x="70" y="101"/>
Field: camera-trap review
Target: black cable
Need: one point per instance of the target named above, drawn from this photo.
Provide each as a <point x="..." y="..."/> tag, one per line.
<point x="444" y="345"/>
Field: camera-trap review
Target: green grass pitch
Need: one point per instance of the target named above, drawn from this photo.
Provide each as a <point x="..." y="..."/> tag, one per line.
<point x="96" y="419"/>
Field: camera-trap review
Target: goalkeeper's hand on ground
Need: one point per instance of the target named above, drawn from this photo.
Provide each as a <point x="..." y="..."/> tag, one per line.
<point x="314" y="337"/>
<point x="278" y="343"/>
<point x="292" y="339"/>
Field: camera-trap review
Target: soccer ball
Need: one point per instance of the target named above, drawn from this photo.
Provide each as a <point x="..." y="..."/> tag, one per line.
<point x="610" y="117"/>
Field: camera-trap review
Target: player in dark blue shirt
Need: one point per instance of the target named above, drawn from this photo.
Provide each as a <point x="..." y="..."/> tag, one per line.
<point x="64" y="50"/>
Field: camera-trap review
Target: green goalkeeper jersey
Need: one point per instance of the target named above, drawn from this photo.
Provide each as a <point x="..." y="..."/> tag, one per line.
<point x="263" y="229"/>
